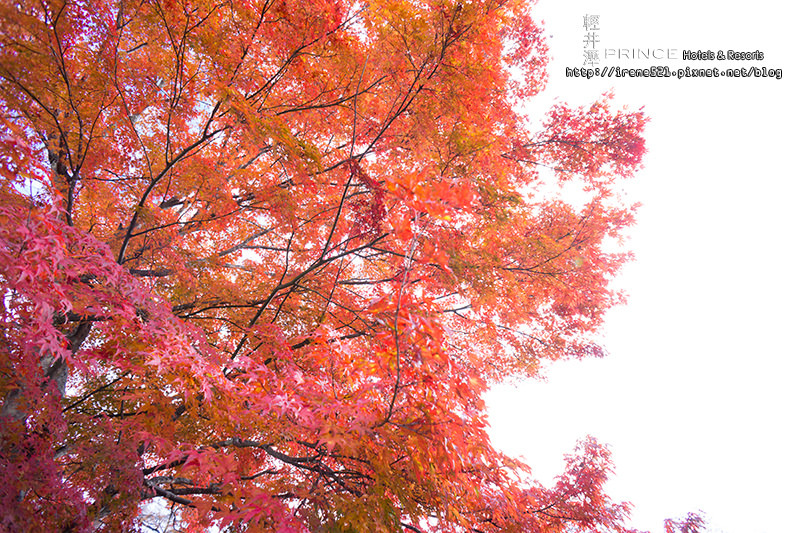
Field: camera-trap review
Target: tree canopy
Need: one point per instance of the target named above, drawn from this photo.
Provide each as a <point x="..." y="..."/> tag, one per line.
<point x="260" y="260"/>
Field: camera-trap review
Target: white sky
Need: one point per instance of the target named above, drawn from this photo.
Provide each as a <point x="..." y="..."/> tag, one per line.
<point x="698" y="399"/>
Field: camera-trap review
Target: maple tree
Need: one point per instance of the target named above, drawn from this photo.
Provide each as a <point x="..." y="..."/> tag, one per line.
<point x="260" y="260"/>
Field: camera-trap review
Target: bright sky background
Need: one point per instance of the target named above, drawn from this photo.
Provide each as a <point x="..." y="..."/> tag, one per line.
<point x="699" y="399"/>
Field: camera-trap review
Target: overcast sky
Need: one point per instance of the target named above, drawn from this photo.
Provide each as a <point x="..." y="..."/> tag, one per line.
<point x="698" y="398"/>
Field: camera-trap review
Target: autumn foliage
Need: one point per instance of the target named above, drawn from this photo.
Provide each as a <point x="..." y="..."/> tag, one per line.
<point x="260" y="260"/>
<point x="691" y="523"/>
